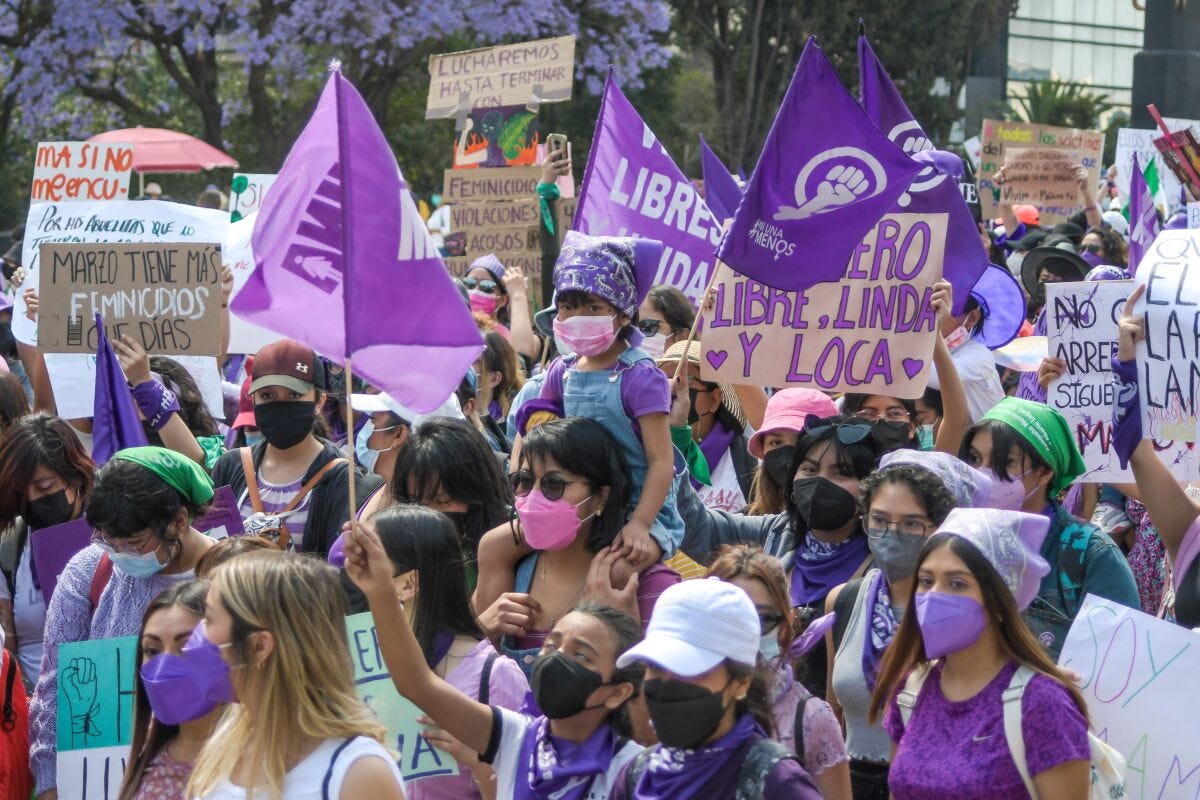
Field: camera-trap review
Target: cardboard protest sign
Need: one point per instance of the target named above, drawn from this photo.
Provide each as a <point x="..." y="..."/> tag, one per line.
<point x="81" y="171"/>
<point x="238" y="255"/>
<point x="511" y="240"/>
<point x="871" y="331"/>
<point x="1081" y="325"/>
<point x="499" y="214"/>
<point x="73" y="377"/>
<point x="1135" y="672"/>
<point x="166" y="296"/>
<point x="95" y="715"/>
<point x="565" y="216"/>
<point x="999" y="136"/>
<point x="1135" y="141"/>
<point x="498" y="137"/>
<point x="1179" y="150"/>
<point x="522" y="74"/>
<point x="1168" y="359"/>
<point x="223" y="518"/>
<point x="502" y="183"/>
<point x="53" y="547"/>
<point x="247" y="192"/>
<point x="418" y="758"/>
<point x="1040" y="176"/>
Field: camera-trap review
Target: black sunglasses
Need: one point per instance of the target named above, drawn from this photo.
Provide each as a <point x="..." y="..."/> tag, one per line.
<point x="846" y="432"/>
<point x="552" y="485"/>
<point x="485" y="286"/>
<point x="650" y="327"/>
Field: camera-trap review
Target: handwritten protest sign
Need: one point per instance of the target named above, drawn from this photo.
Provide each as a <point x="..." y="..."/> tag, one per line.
<point x="418" y="759"/>
<point x="1193" y="215"/>
<point x="1041" y="177"/>
<point x="166" y="296"/>
<point x="247" y="192"/>
<point x="497" y="137"/>
<point x="872" y="330"/>
<point x="53" y="547"/>
<point x="238" y="254"/>
<point x="999" y="136"/>
<point x="1136" y="672"/>
<point x="526" y="73"/>
<point x="1168" y="358"/>
<point x="223" y="518"/>
<point x="73" y="377"/>
<point x="501" y="183"/>
<point x="499" y="214"/>
<point x="81" y="171"/>
<point x="1135" y="141"/>
<point x="1081" y="325"/>
<point x="95" y="715"/>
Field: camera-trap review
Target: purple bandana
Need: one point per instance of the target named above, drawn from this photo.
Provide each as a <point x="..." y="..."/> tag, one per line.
<point x="674" y="773"/>
<point x="882" y="629"/>
<point x="714" y="447"/>
<point x="599" y="265"/>
<point x="561" y="769"/>
<point x="819" y="566"/>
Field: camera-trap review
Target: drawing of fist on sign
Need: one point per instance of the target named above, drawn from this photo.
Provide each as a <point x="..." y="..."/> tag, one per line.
<point x="79" y="679"/>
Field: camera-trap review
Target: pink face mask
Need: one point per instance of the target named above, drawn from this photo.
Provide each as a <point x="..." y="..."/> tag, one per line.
<point x="549" y="524"/>
<point x="586" y="336"/>
<point x="485" y="303"/>
<point x="1009" y="495"/>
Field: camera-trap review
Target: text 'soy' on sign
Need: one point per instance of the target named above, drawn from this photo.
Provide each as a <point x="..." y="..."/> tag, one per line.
<point x="81" y="171"/>
<point x="522" y="74"/>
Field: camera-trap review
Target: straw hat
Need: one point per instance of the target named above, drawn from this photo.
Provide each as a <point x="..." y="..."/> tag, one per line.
<point x="728" y="397"/>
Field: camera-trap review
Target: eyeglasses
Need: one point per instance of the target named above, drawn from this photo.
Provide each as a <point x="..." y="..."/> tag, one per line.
<point x="1094" y="249"/>
<point x="846" y="432"/>
<point x="768" y="621"/>
<point x="552" y="485"/>
<point x="891" y="415"/>
<point x="878" y="526"/>
<point x="650" y="327"/>
<point x="485" y="286"/>
<point x="120" y="546"/>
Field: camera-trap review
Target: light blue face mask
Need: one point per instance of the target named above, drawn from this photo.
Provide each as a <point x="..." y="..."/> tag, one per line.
<point x="363" y="451"/>
<point x="138" y="565"/>
<point x="768" y="645"/>
<point x="253" y="438"/>
<point x="925" y="437"/>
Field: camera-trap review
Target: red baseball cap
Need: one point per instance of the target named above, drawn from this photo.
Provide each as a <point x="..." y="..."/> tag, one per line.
<point x="245" y="417"/>
<point x="286" y="363"/>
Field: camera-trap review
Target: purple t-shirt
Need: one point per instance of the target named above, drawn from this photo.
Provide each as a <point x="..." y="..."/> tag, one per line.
<point x="953" y="750"/>
<point x="644" y="389"/>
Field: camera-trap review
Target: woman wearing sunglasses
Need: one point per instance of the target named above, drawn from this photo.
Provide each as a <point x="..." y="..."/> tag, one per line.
<point x="502" y="294"/>
<point x="664" y="318"/>
<point x="141" y="509"/>
<point x="902" y="503"/>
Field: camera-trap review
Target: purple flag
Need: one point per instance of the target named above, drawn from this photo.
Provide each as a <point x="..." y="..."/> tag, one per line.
<point x="721" y="192"/>
<point x="934" y="190"/>
<point x="1143" y="217"/>
<point x="344" y="263"/>
<point x="825" y="177"/>
<point x="631" y="187"/>
<point x="115" y="420"/>
<point x="53" y="547"/>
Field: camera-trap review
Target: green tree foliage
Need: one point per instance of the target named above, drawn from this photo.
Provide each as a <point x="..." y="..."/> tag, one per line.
<point x="1064" y="103"/>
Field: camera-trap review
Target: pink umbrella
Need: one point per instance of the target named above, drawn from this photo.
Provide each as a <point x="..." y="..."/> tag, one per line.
<point x="161" y="150"/>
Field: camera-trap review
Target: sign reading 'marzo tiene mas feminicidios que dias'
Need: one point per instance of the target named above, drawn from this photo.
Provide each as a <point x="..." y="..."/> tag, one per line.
<point x="165" y="295"/>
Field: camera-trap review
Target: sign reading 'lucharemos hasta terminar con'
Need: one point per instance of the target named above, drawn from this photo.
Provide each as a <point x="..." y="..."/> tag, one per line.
<point x="506" y="75"/>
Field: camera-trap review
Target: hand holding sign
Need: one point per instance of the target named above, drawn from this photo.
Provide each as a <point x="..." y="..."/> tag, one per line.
<point x="31" y="303"/>
<point x="1131" y="328"/>
<point x="135" y="361"/>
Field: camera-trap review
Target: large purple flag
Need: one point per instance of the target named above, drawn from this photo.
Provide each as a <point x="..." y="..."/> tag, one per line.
<point x="825" y="177"/>
<point x="933" y="191"/>
<point x="115" y="421"/>
<point x="632" y="187"/>
<point x="344" y="263"/>
<point x="1143" y="217"/>
<point x="721" y="192"/>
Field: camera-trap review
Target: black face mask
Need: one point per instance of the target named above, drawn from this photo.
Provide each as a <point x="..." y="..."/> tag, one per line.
<point x="778" y="463"/>
<point x="693" y="415"/>
<point x="892" y="435"/>
<point x="285" y="423"/>
<point x="561" y="685"/>
<point x="822" y="504"/>
<point x="684" y="715"/>
<point x="53" y="509"/>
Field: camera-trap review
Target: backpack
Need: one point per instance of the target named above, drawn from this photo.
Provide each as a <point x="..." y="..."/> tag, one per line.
<point x="271" y="526"/>
<point x="16" y="781"/>
<point x="1107" y="765"/>
<point x="752" y="774"/>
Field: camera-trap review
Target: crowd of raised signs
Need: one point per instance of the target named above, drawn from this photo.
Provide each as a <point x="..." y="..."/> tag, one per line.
<point x="594" y="572"/>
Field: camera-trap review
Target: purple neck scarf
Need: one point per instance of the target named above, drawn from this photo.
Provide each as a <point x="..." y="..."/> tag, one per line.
<point x="881" y="628"/>
<point x="673" y="773"/>
<point x="818" y="566"/>
<point x="441" y="646"/>
<point x="714" y="447"/>
<point x="560" y="769"/>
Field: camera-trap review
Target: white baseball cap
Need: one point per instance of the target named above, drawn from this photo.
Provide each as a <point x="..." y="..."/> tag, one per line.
<point x="375" y="403"/>
<point x="695" y="626"/>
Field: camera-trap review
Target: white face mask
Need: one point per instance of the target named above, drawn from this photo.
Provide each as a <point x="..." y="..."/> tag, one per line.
<point x="655" y="345"/>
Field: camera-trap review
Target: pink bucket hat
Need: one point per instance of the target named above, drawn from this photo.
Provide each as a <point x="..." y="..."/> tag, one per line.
<point x="786" y="411"/>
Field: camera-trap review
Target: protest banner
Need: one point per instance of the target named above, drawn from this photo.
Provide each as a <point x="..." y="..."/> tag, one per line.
<point x="1139" y="142"/>
<point x="1081" y="326"/>
<point x="238" y="255"/>
<point x="497" y="137"/>
<point x="73" y="377"/>
<point x="632" y="187"/>
<point x="999" y="136"/>
<point x="1040" y="176"/>
<point x="223" y="518"/>
<point x="81" y="171"/>
<point x="166" y="296"/>
<point x="247" y="192"/>
<point x="496" y="214"/>
<point x="871" y="331"/>
<point x="1168" y="358"/>
<point x="418" y="758"/>
<point x="481" y="241"/>
<point x="565" y="211"/>
<point x="95" y="715"/>
<point x="522" y="74"/>
<point x="501" y="183"/>
<point x="1136" y="672"/>
<point x="53" y="547"/>
<point x="1193" y="215"/>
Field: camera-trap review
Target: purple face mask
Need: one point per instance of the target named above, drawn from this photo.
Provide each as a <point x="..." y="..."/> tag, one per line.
<point x="185" y="687"/>
<point x="948" y="622"/>
<point x="1093" y="259"/>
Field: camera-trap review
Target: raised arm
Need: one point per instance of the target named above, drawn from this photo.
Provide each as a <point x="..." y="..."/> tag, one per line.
<point x="956" y="415"/>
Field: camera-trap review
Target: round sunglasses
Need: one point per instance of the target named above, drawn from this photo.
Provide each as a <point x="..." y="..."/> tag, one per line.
<point x="551" y="484"/>
<point x="486" y="286"/>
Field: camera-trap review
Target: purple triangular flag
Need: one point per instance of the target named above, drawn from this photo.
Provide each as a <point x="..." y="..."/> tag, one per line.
<point x="344" y="263"/>
<point x="721" y="192"/>
<point x="935" y="189"/>
<point x="825" y="177"/>
<point x="116" y="424"/>
<point x="1143" y="217"/>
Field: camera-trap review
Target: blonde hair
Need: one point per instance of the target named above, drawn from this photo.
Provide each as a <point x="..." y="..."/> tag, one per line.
<point x="303" y="688"/>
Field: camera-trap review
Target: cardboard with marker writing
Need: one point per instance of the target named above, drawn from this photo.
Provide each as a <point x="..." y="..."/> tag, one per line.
<point x="81" y="171"/>
<point x="521" y="74"/>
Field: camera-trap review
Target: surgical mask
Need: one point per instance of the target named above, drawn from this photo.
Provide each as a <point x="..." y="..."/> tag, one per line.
<point x="586" y="336"/>
<point x="185" y="687"/>
<point x="285" y="423"/>
<point x="897" y="554"/>
<point x="684" y="715"/>
<point x="549" y="524"/>
<point x="1009" y="495"/>
<point x="655" y="345"/>
<point x="957" y="337"/>
<point x="1014" y="261"/>
<point x="485" y="303"/>
<point x="561" y="685"/>
<point x="948" y="622"/>
<point x="138" y="565"/>
<point x="925" y="437"/>
<point x="363" y="452"/>
<point x="562" y="347"/>
<point x="778" y="464"/>
<point x="768" y="645"/>
<point x="46" y="512"/>
<point x="822" y="504"/>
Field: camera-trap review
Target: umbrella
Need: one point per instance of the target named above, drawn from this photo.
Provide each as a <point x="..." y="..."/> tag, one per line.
<point x="161" y="150"/>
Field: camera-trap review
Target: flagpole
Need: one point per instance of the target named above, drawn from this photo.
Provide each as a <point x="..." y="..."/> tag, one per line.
<point x="350" y="437"/>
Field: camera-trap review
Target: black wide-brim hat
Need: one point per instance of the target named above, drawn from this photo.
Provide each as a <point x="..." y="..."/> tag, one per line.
<point x="1035" y="259"/>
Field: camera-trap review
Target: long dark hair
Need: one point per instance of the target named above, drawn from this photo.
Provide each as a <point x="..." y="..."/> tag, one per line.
<point x="907" y="650"/>
<point x="39" y="439"/>
<point x="13" y="402"/>
<point x="416" y="537"/>
<point x="191" y="402"/>
<point x="858" y="459"/>
<point x="149" y="735"/>
<point x="757" y="702"/>
<point x="626" y="632"/>
<point x="586" y="448"/>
